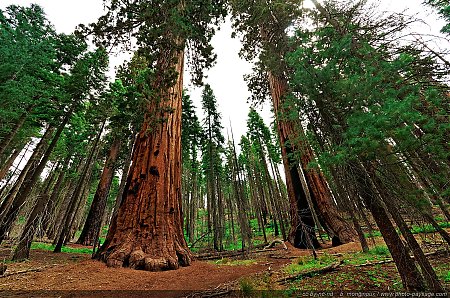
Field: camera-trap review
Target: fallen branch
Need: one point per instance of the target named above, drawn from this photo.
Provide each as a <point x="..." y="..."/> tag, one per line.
<point x="275" y="256"/>
<point x="232" y="253"/>
<point x="24" y="271"/>
<point x="311" y="273"/>
<point x="274" y="242"/>
<point x="200" y="238"/>
<point x="387" y="261"/>
<point x="375" y="263"/>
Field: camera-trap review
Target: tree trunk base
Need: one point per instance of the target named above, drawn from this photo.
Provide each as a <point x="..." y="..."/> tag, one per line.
<point x="136" y="258"/>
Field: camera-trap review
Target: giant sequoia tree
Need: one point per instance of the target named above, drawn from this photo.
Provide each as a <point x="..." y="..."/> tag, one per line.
<point x="147" y="233"/>
<point x="263" y="26"/>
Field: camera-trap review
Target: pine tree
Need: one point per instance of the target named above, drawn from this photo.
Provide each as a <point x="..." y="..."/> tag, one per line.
<point x="212" y="163"/>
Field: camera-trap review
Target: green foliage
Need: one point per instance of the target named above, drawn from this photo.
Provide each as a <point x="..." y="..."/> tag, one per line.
<point x="377" y="253"/>
<point x="162" y="28"/>
<point x="262" y="26"/>
<point x="443" y="8"/>
<point x="304" y="264"/>
<point x="428" y="228"/>
<point x="367" y="100"/>
<point x="35" y="60"/>
<point x="246" y="286"/>
<point x="66" y="249"/>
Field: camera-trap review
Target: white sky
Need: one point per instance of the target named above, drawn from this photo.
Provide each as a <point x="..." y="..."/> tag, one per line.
<point x="226" y="76"/>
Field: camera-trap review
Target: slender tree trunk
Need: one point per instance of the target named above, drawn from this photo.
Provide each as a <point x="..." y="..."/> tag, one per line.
<point x="148" y="231"/>
<point x="22" y="250"/>
<point x="49" y="208"/>
<point x="30" y="180"/>
<point x="26" y="171"/>
<point x="93" y="221"/>
<point x="78" y="214"/>
<point x="2" y="190"/>
<point x="277" y="199"/>
<point x="238" y="188"/>
<point x="71" y="211"/>
<point x="6" y="141"/>
<point x="411" y="277"/>
<point x="427" y="270"/>
<point x="65" y="202"/>
<point x="436" y="226"/>
<point x="9" y="162"/>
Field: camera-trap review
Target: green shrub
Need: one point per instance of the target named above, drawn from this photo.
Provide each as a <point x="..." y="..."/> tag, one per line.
<point x="379" y="251"/>
<point x="246" y="287"/>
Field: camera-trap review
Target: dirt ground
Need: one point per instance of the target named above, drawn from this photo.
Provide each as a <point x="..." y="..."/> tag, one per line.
<point x="76" y="275"/>
<point x="69" y="272"/>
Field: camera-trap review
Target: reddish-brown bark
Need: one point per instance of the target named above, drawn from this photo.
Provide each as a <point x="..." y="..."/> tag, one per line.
<point x="328" y="214"/>
<point x="302" y="234"/>
<point x="147" y="233"/>
<point x="94" y="219"/>
<point x="291" y="134"/>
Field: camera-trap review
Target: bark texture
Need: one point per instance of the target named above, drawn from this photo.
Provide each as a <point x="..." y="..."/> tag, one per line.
<point x="94" y="219"/>
<point x="290" y="134"/>
<point x="302" y="234"/>
<point x="9" y="162"/>
<point x="147" y="233"/>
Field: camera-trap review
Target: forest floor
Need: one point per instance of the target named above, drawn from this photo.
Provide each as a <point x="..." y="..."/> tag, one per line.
<point x="278" y="270"/>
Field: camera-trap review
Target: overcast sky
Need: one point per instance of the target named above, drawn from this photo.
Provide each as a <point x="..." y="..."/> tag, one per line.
<point x="226" y="76"/>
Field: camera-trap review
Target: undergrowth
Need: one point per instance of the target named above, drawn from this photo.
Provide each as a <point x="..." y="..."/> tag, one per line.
<point x="230" y="262"/>
<point x="378" y="253"/>
<point x="304" y="264"/>
<point x="75" y="250"/>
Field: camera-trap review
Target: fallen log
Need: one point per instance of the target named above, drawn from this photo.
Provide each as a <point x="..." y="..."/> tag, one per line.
<point x="24" y="271"/>
<point x="310" y="273"/>
<point x="274" y="256"/>
<point x="231" y="253"/>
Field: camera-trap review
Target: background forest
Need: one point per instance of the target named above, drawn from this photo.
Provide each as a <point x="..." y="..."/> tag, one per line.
<point x="357" y="148"/>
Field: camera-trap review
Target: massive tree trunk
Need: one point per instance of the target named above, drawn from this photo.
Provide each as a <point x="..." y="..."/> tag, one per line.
<point x="329" y="216"/>
<point x="94" y="219"/>
<point x="291" y="135"/>
<point x="148" y="231"/>
<point x="302" y="233"/>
